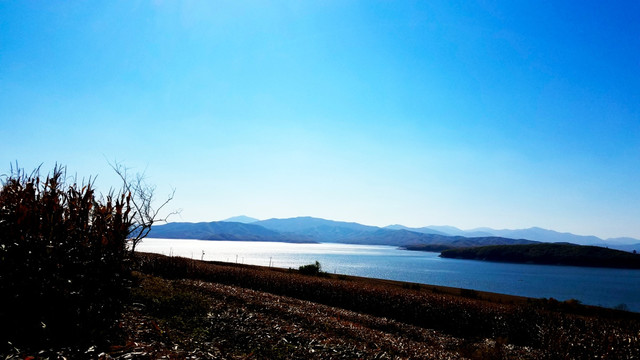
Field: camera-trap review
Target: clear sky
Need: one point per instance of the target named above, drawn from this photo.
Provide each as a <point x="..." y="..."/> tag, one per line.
<point x="506" y="114"/>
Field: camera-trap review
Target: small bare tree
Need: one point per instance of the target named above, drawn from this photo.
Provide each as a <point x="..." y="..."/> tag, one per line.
<point x="145" y="215"/>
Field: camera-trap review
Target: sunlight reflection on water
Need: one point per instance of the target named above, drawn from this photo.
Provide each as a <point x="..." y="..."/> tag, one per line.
<point x="595" y="286"/>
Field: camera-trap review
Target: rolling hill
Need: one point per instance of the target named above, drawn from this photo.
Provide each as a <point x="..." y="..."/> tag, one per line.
<point x="308" y="229"/>
<point x="318" y="229"/>
<point x="429" y="238"/>
<point x="221" y="230"/>
<point x="533" y="234"/>
<point x="550" y="236"/>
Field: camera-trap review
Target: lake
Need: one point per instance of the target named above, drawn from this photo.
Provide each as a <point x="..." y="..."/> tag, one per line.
<point x="594" y="286"/>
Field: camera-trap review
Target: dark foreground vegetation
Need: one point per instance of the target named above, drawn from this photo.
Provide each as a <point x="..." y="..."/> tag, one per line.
<point x="64" y="264"/>
<point x="69" y="288"/>
<point x="550" y="254"/>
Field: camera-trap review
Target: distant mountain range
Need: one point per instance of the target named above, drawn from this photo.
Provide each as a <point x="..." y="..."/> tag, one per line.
<point x="534" y="234"/>
<point x="434" y="238"/>
<point x="308" y="229"/>
<point x="220" y="230"/>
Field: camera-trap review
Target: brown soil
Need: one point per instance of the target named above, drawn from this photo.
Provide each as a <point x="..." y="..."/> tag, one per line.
<point x="248" y="324"/>
<point x="251" y="312"/>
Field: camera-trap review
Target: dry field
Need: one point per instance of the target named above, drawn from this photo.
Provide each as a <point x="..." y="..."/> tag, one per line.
<point x="242" y="323"/>
<point x="190" y="309"/>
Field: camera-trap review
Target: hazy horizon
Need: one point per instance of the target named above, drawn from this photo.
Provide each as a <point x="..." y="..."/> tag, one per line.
<point x="434" y="226"/>
<point x="469" y="114"/>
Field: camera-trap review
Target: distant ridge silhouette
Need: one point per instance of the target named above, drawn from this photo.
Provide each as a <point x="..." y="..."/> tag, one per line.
<point x="311" y="229"/>
<point x="241" y="219"/>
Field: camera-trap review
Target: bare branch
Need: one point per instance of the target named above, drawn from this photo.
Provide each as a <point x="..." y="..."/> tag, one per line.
<point x="140" y="195"/>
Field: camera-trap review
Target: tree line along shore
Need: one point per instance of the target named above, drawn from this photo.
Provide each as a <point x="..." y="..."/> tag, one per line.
<point x="549" y="254"/>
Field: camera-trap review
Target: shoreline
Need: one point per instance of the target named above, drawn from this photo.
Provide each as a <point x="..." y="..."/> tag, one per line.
<point x="472" y="294"/>
<point x="496" y="277"/>
<point x="493" y="324"/>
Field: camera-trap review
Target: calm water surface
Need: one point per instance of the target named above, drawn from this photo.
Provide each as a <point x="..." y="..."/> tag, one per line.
<point x="595" y="286"/>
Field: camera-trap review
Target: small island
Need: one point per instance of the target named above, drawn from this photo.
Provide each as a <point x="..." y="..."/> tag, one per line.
<point x="549" y="254"/>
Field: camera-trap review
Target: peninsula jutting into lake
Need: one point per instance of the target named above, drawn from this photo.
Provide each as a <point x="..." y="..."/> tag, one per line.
<point x="547" y="254"/>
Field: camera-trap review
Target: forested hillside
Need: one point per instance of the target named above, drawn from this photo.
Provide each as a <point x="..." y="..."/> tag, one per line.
<point x="555" y="254"/>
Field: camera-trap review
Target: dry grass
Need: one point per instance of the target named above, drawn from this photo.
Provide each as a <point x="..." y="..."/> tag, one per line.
<point x="186" y="309"/>
<point x="243" y="323"/>
<point x="475" y="325"/>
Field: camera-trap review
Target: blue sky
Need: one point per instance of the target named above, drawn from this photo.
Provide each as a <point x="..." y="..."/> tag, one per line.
<point x="506" y="114"/>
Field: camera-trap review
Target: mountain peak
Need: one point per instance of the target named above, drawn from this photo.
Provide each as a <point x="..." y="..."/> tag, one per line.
<point x="241" y="219"/>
